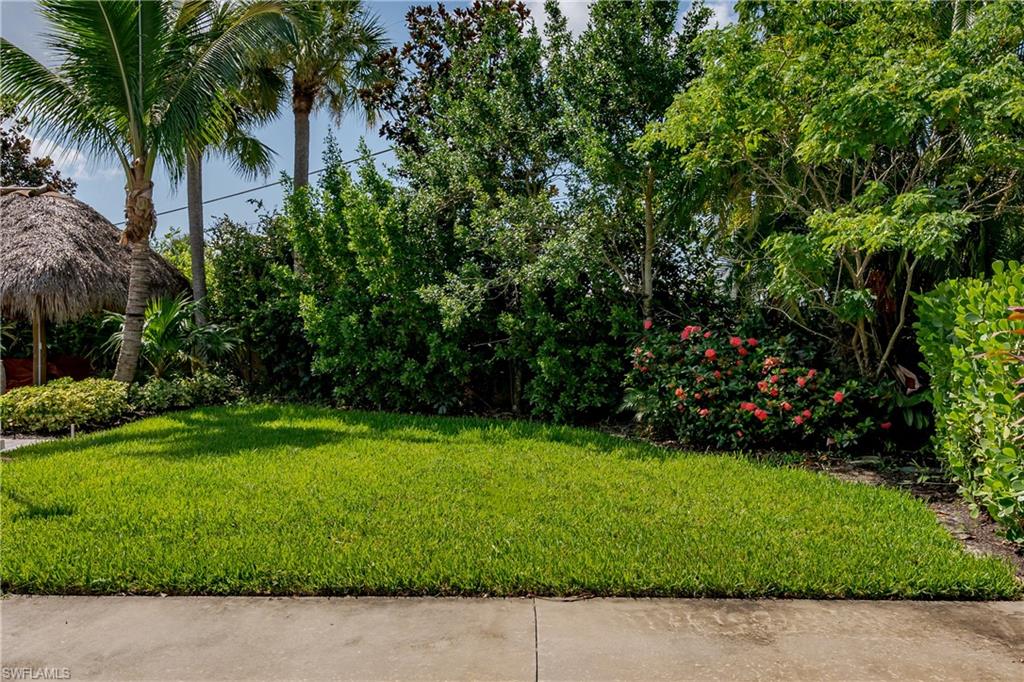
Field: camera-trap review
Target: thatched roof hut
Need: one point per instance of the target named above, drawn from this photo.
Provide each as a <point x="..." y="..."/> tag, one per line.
<point x="60" y="260"/>
<point x="58" y="250"/>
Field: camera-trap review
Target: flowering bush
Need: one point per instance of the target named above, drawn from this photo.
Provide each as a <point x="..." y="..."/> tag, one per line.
<point x="730" y="391"/>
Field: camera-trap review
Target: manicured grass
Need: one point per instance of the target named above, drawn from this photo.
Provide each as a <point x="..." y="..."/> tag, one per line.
<point x="290" y="500"/>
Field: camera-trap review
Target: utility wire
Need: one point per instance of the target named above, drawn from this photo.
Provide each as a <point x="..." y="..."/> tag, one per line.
<point x="269" y="184"/>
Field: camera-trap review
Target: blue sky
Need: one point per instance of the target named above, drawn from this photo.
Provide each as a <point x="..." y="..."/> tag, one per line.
<point x="100" y="181"/>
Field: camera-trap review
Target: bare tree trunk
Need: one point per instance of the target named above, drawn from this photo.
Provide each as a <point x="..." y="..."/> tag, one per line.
<point x="139" y="221"/>
<point x="648" y="266"/>
<point x="38" y="343"/>
<point x="302" y="104"/>
<point x="196" y="240"/>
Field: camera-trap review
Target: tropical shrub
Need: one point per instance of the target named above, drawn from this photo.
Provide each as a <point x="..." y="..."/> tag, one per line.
<point x="160" y="395"/>
<point x="253" y="289"/>
<point x="61" y="403"/>
<point x="973" y="343"/>
<point x="711" y="388"/>
<point x="171" y="338"/>
<point x="365" y="255"/>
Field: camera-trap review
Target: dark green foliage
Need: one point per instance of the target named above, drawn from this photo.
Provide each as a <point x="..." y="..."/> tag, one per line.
<point x="973" y="350"/>
<point x="366" y="254"/>
<point x="203" y="388"/>
<point x="253" y="289"/>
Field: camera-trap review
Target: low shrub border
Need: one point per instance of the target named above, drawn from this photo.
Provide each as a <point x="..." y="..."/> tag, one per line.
<point x="61" y="404"/>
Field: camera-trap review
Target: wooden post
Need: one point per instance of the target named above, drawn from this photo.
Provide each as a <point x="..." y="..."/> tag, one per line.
<point x="38" y="343"/>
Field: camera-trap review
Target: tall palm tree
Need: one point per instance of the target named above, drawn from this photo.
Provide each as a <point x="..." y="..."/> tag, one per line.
<point x="327" y="61"/>
<point x="131" y="86"/>
<point x="249" y="156"/>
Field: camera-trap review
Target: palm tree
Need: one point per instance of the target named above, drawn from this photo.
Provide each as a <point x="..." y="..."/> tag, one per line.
<point x="132" y="85"/>
<point x="327" y="61"/>
<point x="249" y="156"/>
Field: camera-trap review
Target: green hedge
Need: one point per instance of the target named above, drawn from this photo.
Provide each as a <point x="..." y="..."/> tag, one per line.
<point x="63" y="402"/>
<point x="53" y="408"/>
<point x="968" y="343"/>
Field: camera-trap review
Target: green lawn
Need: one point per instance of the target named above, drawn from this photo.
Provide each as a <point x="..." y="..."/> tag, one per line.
<point x="290" y="500"/>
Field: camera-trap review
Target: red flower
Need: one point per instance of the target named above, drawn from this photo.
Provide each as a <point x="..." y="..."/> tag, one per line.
<point x="718" y="375"/>
<point x="680" y="392"/>
<point x="761" y="385"/>
<point x="643" y="368"/>
<point x="786" y="406"/>
<point x="811" y="373"/>
<point x="801" y="382"/>
<point x="749" y="407"/>
<point x="710" y="354"/>
<point x="806" y="414"/>
<point x="735" y="341"/>
<point x="739" y="434"/>
<point x="798" y="420"/>
<point x="687" y="330"/>
<point x="752" y="343"/>
<point x="743" y="352"/>
<point x="760" y="414"/>
<point x="774" y="393"/>
<point x="885" y="426"/>
<point x="696" y="396"/>
<point x="707" y="335"/>
<point x="648" y="324"/>
<point x="775" y="379"/>
<point x="838" y="397"/>
<point x="703" y="412"/>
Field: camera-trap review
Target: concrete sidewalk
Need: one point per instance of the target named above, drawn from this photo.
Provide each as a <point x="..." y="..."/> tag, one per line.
<point x="121" y="638"/>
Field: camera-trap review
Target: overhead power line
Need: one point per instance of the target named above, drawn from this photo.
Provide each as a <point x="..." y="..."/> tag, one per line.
<point x="269" y="184"/>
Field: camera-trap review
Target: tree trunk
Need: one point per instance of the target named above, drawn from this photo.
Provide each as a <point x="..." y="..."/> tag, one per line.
<point x="196" y="240"/>
<point x="139" y="222"/>
<point x="648" y="266"/>
<point x="38" y="343"/>
<point x="302" y="104"/>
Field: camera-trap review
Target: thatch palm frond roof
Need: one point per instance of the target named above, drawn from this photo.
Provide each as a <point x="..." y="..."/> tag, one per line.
<point x="62" y="251"/>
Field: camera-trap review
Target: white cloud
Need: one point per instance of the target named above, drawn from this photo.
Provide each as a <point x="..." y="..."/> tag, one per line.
<point x="576" y="13"/>
<point x="723" y="14"/>
<point x="73" y="163"/>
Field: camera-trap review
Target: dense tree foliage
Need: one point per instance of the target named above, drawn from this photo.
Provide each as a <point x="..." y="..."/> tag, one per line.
<point x="870" y="147"/>
<point x="18" y="167"/>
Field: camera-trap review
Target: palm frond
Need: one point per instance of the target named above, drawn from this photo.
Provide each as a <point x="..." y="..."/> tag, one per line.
<point x="61" y="112"/>
<point x="193" y="111"/>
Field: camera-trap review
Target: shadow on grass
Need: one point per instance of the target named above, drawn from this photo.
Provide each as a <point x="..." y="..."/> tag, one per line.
<point x="220" y="431"/>
<point x="36" y="511"/>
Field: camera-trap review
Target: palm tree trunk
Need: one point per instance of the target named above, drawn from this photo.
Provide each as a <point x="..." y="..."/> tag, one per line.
<point x="196" y="241"/>
<point x="139" y="222"/>
<point x="301" y="106"/>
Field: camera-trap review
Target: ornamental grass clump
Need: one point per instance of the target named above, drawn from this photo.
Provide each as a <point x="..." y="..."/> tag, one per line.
<point x="710" y="388"/>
